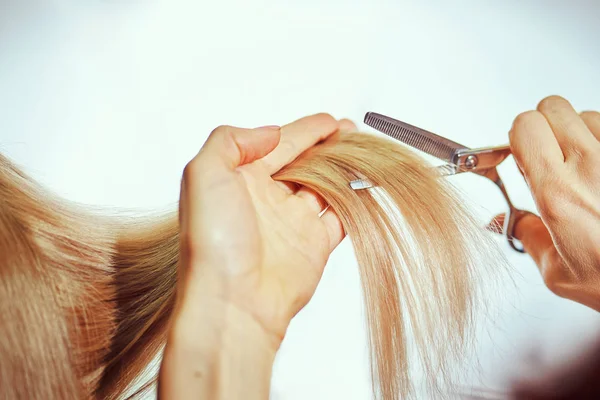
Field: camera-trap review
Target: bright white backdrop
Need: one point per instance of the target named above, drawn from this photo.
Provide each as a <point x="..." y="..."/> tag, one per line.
<point x="105" y="102"/>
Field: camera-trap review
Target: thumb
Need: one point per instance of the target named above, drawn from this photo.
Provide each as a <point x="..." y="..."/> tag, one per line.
<point x="538" y="243"/>
<point x="532" y="233"/>
<point x="535" y="237"/>
<point x="231" y="147"/>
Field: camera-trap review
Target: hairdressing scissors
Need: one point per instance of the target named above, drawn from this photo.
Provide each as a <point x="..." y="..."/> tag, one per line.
<point x="458" y="159"/>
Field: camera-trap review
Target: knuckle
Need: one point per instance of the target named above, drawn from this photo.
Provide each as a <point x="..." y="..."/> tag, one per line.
<point x="523" y="125"/>
<point x="221" y="130"/>
<point x="590" y="115"/>
<point x="525" y="121"/>
<point x="193" y="170"/>
<point x="223" y="134"/>
<point x="552" y="102"/>
<point x="325" y="117"/>
<point x="326" y="122"/>
<point x="349" y="124"/>
<point x="190" y="171"/>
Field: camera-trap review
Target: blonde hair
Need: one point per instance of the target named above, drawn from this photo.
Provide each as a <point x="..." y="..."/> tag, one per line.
<point x="85" y="299"/>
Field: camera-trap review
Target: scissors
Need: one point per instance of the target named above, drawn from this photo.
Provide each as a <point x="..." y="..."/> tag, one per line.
<point x="458" y="159"/>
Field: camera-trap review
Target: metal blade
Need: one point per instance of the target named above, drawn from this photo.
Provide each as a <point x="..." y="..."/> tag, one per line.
<point x="443" y="170"/>
<point x="418" y="138"/>
<point x="360" y="184"/>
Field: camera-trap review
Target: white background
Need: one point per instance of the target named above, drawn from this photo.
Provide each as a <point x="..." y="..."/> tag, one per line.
<point x="105" y="102"/>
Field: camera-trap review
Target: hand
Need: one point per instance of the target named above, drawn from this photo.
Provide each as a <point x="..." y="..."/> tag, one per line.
<point x="252" y="251"/>
<point x="261" y="244"/>
<point x="558" y="152"/>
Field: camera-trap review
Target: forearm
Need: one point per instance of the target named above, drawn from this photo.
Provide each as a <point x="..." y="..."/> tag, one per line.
<point x="217" y="352"/>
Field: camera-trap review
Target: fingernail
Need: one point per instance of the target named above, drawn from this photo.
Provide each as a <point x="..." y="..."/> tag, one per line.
<point x="269" y="127"/>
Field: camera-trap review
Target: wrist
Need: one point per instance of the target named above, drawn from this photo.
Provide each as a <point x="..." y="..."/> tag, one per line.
<point x="206" y="319"/>
<point x="231" y="300"/>
<point x="205" y="293"/>
<point x="214" y="350"/>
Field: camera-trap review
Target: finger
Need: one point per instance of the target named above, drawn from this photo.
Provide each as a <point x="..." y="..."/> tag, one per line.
<point x="312" y="198"/>
<point x="213" y="167"/>
<point x="537" y="242"/>
<point x="592" y="120"/>
<point x="570" y="131"/>
<point x="288" y="187"/>
<point x="347" y="126"/>
<point x="534" y="236"/>
<point x="334" y="226"/>
<point x="229" y="147"/>
<point x="297" y="137"/>
<point x="534" y="146"/>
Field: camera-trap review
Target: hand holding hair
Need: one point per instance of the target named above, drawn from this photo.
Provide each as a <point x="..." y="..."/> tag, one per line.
<point x="558" y="152"/>
<point x="220" y="286"/>
<point x="252" y="253"/>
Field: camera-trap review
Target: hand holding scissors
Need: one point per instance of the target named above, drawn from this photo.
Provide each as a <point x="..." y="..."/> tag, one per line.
<point x="457" y="158"/>
<point x="558" y="152"/>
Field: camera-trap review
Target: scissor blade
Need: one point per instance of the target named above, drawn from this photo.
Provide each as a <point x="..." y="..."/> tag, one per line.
<point x="418" y="138"/>
<point x="442" y="170"/>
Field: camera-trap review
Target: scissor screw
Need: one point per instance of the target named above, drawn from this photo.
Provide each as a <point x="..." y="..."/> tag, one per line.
<point x="471" y="162"/>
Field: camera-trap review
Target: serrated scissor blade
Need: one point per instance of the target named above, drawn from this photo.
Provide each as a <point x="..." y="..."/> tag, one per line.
<point x="418" y="138"/>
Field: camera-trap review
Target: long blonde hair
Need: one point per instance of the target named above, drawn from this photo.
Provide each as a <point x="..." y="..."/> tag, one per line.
<point x="85" y="299"/>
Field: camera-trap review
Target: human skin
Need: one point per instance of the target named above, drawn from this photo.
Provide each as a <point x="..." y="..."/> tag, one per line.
<point x="253" y="250"/>
<point x="252" y="253"/>
<point x="558" y="153"/>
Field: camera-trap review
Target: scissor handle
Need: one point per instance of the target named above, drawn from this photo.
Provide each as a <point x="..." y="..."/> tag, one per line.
<point x="509" y="227"/>
<point x="514" y="214"/>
